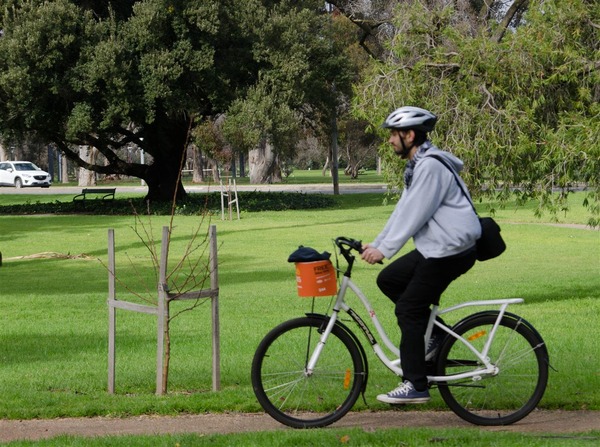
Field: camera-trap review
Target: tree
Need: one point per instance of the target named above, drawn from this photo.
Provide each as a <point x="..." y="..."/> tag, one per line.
<point x="516" y="91"/>
<point x="302" y="79"/>
<point x="375" y="18"/>
<point x="79" y="79"/>
<point x="112" y="74"/>
<point x="359" y="147"/>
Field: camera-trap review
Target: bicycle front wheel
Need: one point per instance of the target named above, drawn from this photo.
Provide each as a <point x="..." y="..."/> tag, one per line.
<point x="521" y="359"/>
<point x="295" y="397"/>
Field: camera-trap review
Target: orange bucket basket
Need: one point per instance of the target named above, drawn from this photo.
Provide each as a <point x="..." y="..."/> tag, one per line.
<point x="316" y="278"/>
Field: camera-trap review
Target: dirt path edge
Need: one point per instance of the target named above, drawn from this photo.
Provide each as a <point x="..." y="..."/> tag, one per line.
<point x="540" y="421"/>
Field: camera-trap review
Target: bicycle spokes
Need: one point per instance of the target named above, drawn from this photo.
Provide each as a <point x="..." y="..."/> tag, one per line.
<point x="507" y="390"/>
<point x="293" y="396"/>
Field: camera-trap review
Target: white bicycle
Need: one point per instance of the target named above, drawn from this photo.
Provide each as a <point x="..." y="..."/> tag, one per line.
<point x="491" y="368"/>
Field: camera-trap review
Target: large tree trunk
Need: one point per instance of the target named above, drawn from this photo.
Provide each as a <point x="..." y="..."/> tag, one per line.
<point x="90" y="155"/>
<point x="64" y="169"/>
<point x="197" y="166"/>
<point x="264" y="165"/>
<point x="166" y="141"/>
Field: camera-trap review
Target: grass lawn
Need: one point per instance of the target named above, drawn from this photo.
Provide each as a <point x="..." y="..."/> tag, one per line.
<point x="53" y="341"/>
<point x="331" y="437"/>
<point x="296" y="177"/>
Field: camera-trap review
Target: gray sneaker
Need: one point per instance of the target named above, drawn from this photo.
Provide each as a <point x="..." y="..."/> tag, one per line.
<point x="405" y="394"/>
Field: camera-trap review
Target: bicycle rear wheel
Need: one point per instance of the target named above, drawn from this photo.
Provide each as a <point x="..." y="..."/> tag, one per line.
<point x="295" y="398"/>
<point x="521" y="357"/>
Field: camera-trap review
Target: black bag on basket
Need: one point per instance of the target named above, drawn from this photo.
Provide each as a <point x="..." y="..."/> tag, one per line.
<point x="490" y="245"/>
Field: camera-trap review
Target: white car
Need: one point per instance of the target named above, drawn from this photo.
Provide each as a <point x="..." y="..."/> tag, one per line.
<point x="23" y="173"/>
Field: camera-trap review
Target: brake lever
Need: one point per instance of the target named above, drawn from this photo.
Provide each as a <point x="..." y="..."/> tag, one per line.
<point x="359" y="249"/>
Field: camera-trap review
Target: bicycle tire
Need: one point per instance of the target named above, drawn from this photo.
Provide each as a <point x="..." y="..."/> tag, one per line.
<point x="520" y="355"/>
<point x="291" y="396"/>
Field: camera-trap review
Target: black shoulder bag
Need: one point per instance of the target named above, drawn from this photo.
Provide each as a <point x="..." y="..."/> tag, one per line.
<point x="490" y="245"/>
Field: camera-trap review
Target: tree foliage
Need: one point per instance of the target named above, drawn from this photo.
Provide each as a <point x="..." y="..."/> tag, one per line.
<point x="112" y="74"/>
<point x="78" y="78"/>
<point x="303" y="75"/>
<point x="519" y="104"/>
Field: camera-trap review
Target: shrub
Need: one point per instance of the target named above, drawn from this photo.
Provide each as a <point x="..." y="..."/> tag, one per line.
<point x="193" y="204"/>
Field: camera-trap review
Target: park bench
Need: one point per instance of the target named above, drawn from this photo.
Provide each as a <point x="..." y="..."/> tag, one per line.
<point x="106" y="193"/>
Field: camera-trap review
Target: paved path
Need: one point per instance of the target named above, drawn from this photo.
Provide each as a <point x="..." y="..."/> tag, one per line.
<point x="560" y="423"/>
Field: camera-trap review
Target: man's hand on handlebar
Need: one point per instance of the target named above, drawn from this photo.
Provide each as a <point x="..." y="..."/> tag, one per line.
<point x="371" y="255"/>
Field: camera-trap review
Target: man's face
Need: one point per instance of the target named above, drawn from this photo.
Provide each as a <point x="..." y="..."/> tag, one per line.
<point x="401" y="141"/>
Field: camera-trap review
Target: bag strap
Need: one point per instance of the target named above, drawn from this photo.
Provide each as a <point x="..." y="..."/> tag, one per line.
<point x="442" y="161"/>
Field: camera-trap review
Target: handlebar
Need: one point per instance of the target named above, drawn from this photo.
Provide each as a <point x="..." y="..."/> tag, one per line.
<point x="346" y="245"/>
<point x="350" y="243"/>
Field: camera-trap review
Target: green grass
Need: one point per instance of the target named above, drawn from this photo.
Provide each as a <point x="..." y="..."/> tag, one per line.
<point x="329" y="437"/>
<point x="297" y="177"/>
<point x="300" y="177"/>
<point x="53" y="342"/>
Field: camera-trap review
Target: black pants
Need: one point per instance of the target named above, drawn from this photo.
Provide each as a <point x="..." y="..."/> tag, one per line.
<point x="414" y="283"/>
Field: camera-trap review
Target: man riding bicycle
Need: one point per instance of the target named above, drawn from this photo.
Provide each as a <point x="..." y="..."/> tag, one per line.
<point x="439" y="217"/>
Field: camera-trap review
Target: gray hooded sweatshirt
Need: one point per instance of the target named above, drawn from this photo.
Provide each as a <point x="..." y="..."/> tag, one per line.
<point x="432" y="210"/>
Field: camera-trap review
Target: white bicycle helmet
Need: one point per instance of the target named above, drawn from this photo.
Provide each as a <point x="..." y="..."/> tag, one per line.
<point x="411" y="118"/>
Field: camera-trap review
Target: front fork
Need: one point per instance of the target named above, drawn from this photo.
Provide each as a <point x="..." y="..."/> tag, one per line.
<point x="312" y="361"/>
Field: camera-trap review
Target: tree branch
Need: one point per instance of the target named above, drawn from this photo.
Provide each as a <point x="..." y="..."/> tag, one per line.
<point x="490" y="99"/>
<point x="450" y="66"/>
<point x="115" y="166"/>
<point x="484" y="12"/>
<point x="368" y="27"/>
<point x="363" y="44"/>
<point x="517" y="6"/>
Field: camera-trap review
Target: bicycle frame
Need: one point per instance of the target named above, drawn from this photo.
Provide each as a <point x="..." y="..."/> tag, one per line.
<point x="395" y="364"/>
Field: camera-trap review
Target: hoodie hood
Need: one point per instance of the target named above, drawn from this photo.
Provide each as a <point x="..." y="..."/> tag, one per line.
<point x="453" y="160"/>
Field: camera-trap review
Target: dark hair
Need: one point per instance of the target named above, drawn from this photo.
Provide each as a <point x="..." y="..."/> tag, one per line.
<point x="420" y="137"/>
